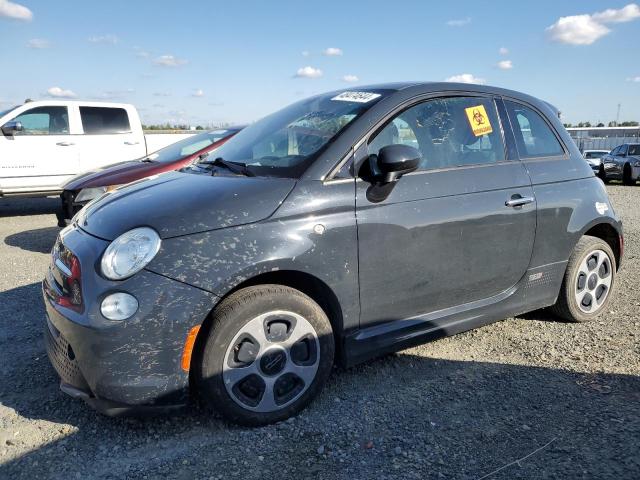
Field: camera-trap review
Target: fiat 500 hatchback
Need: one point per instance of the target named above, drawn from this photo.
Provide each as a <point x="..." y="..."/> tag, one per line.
<point x="340" y="228"/>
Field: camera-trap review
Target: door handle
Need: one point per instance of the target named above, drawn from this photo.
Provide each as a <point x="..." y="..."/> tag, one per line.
<point x="131" y="143"/>
<point x="65" y="144"/>
<point x="518" y="201"/>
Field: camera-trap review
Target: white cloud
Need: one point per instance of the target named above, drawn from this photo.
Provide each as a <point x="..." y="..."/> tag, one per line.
<point x="350" y="78"/>
<point x="308" y="72"/>
<point x="466" y="78"/>
<point x="58" y="92"/>
<point x="505" y="65"/>
<point x="460" y="22"/>
<point x="634" y="79"/>
<point x="198" y="93"/>
<point x="625" y="14"/>
<point x="108" y="39"/>
<point x="141" y="53"/>
<point x="14" y="10"/>
<point x="332" y="52"/>
<point x="162" y="94"/>
<point x="503" y="51"/>
<point x="38" y="43"/>
<point x="169" y="61"/>
<point x="587" y="28"/>
<point x="306" y="53"/>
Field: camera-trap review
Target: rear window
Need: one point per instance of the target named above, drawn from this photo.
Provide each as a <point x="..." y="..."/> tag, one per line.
<point x="104" y="120"/>
<point x="534" y="136"/>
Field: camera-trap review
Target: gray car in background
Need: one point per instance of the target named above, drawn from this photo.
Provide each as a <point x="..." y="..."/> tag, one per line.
<point x="623" y="163"/>
<point x="343" y="227"/>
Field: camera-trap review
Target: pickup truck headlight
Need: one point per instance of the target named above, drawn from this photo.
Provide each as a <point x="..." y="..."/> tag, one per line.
<point x="130" y="253"/>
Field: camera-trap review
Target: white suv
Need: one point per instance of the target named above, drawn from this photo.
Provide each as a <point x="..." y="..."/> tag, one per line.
<point x="44" y="143"/>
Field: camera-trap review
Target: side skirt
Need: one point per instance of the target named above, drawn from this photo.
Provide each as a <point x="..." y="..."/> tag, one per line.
<point x="538" y="288"/>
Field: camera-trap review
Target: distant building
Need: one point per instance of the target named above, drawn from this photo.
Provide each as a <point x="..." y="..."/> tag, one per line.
<point x="606" y="138"/>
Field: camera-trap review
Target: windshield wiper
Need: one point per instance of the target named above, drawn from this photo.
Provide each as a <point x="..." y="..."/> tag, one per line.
<point x="237" y="168"/>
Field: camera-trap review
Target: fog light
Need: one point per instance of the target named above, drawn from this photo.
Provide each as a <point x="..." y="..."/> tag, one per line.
<point x="119" y="306"/>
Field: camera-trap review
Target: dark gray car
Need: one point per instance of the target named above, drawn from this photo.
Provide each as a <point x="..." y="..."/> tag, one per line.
<point x="345" y="226"/>
<point x="623" y="163"/>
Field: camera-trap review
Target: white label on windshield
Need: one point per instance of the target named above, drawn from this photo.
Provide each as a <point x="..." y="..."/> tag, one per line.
<point x="358" y="97"/>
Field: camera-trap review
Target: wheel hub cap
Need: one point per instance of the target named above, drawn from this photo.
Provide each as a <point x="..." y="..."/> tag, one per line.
<point x="593" y="281"/>
<point x="271" y="361"/>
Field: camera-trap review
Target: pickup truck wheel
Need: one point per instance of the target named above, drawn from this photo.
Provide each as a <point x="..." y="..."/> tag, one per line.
<point x="588" y="281"/>
<point x="627" y="179"/>
<point x="267" y="354"/>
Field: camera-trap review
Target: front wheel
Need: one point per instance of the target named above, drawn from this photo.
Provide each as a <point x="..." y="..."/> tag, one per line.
<point x="268" y="353"/>
<point x="588" y="281"/>
<point x="627" y="175"/>
<point x="602" y="174"/>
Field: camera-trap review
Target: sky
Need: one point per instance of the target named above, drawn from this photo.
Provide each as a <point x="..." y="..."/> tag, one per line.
<point x="213" y="62"/>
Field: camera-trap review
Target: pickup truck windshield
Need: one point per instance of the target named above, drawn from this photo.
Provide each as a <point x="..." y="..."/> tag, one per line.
<point x="189" y="146"/>
<point x="285" y="143"/>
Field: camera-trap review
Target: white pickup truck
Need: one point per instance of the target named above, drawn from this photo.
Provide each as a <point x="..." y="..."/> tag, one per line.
<point x="45" y="143"/>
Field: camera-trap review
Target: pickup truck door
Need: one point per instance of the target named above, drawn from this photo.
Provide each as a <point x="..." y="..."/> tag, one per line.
<point x="42" y="156"/>
<point x="110" y="135"/>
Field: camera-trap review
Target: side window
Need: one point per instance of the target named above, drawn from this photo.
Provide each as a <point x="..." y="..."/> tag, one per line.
<point x="101" y="120"/>
<point x="44" y="121"/>
<point x="622" y="150"/>
<point x="449" y="132"/>
<point x="533" y="135"/>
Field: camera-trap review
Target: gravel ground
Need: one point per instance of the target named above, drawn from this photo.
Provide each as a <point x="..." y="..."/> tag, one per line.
<point x="565" y="396"/>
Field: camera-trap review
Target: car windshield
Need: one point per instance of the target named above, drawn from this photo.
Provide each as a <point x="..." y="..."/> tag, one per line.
<point x="285" y="143"/>
<point x="189" y="146"/>
<point x="595" y="154"/>
<point x="634" y="150"/>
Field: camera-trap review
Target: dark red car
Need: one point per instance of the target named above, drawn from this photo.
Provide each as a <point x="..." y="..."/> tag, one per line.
<point x="83" y="188"/>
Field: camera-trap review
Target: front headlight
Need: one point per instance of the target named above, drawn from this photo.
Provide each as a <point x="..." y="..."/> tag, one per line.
<point x="130" y="253"/>
<point x="88" y="194"/>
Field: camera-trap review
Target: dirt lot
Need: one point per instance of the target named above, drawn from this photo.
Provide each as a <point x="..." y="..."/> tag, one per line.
<point x="565" y="396"/>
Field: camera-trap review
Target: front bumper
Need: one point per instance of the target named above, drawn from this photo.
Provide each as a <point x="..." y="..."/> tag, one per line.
<point x="130" y="366"/>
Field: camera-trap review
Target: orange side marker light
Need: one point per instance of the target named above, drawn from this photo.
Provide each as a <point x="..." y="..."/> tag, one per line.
<point x="188" y="348"/>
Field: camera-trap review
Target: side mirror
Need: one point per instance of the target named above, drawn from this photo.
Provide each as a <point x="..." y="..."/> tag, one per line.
<point x="397" y="160"/>
<point x="11" y="127"/>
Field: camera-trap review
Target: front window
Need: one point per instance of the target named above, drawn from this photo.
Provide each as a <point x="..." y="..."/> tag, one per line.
<point x="634" y="150"/>
<point x="44" y="121"/>
<point x="189" y="146"/>
<point x="285" y="143"/>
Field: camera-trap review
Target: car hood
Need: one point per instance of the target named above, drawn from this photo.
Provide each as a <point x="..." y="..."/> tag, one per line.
<point x="109" y="175"/>
<point x="176" y="204"/>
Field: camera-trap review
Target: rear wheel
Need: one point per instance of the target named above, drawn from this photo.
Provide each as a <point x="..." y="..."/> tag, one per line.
<point x="627" y="178"/>
<point x="268" y="353"/>
<point x="588" y="281"/>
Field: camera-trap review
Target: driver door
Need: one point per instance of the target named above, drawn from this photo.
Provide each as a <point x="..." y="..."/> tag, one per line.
<point x="41" y="156"/>
<point x="444" y="236"/>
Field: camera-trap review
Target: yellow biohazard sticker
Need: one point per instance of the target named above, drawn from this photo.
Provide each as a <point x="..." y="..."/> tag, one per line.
<point x="479" y="120"/>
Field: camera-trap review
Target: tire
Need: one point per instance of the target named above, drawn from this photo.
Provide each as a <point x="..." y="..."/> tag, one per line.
<point x="626" y="175"/>
<point x="579" y="281"/>
<point x="602" y="175"/>
<point x="236" y="377"/>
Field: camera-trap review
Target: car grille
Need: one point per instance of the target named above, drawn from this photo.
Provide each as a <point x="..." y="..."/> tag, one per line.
<point x="62" y="358"/>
